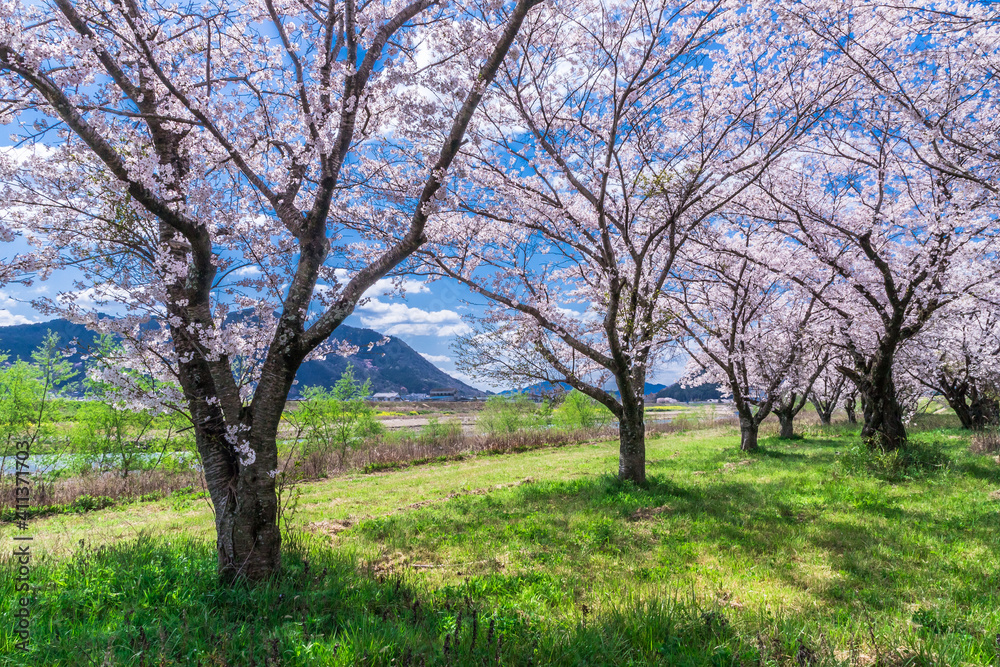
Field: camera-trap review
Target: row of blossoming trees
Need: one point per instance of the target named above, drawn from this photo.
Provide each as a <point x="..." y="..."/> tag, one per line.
<point x="800" y="194"/>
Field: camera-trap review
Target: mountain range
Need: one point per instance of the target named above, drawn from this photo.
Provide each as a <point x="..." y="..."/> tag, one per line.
<point x="675" y="391"/>
<point x="394" y="366"/>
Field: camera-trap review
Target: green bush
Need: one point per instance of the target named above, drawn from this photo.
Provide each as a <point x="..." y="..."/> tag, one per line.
<point x="578" y="410"/>
<point x="335" y="421"/>
<point x="86" y="503"/>
<point x="503" y="415"/>
<point x="436" y="431"/>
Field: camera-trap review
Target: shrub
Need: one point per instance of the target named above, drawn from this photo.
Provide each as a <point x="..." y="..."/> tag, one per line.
<point x="578" y="410"/>
<point x="508" y="414"/>
<point x="436" y="432"/>
<point x="87" y="503"/>
<point x="335" y="421"/>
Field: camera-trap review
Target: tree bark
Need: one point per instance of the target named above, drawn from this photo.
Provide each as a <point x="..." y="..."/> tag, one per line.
<point x="825" y="412"/>
<point x="883" y="428"/>
<point x="789" y="405"/>
<point x="850" y="404"/>
<point x="983" y="412"/>
<point x="632" y="445"/>
<point x="249" y="539"/>
<point x="785" y="419"/>
<point x="974" y="409"/>
<point x="825" y="408"/>
<point x="748" y="434"/>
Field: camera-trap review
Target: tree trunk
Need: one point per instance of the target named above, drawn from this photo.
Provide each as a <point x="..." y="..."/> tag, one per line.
<point x="983" y="412"/>
<point x="849" y="406"/>
<point x="825" y="413"/>
<point x="247" y="536"/>
<point x="748" y="435"/>
<point x="632" y="448"/>
<point x="884" y="428"/>
<point x="785" y="418"/>
<point x="955" y="392"/>
<point x="962" y="410"/>
<point x="249" y="540"/>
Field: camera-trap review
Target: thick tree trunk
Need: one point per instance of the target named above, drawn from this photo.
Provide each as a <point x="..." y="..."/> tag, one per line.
<point x="979" y="412"/>
<point x="825" y="412"/>
<point x="956" y="392"/>
<point x="249" y="540"/>
<point x="748" y="435"/>
<point x="247" y="536"/>
<point x="883" y="428"/>
<point x="785" y="418"/>
<point x="962" y="410"/>
<point x="632" y="448"/>
<point x="983" y="412"/>
<point x="974" y="409"/>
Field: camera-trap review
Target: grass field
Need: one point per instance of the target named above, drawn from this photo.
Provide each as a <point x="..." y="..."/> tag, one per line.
<point x="783" y="557"/>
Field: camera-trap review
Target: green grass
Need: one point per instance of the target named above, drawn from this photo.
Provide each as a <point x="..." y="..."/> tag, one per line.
<point x="786" y="557"/>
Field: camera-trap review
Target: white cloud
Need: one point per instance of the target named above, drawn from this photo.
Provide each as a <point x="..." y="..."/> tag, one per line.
<point x="8" y="318"/>
<point x="95" y="296"/>
<point x="246" y="272"/>
<point x="18" y="154"/>
<point x="436" y="358"/>
<point x="386" y="286"/>
<point x="589" y="315"/>
<point x="395" y="319"/>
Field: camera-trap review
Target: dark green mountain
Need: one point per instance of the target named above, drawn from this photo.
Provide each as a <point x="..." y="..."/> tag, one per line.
<point x="703" y="392"/>
<point x="394" y="366"/>
<point x="550" y="388"/>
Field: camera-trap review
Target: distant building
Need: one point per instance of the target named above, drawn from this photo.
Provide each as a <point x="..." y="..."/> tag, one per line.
<point x="387" y="396"/>
<point x="416" y="397"/>
<point x="444" y="394"/>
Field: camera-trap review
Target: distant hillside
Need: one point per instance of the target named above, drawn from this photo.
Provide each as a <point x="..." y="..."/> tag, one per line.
<point x="394" y="366"/>
<point x="704" y="392"/>
<point x="540" y="388"/>
<point x="548" y="388"/>
<point x="20" y="340"/>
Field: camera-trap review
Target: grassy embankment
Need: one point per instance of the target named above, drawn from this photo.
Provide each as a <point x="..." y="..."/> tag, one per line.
<point x="784" y="557"/>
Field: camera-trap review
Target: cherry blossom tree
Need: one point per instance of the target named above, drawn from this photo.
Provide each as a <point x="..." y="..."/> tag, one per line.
<point x="934" y="62"/>
<point x="802" y="380"/>
<point x="622" y="130"/>
<point x="186" y="162"/>
<point x="898" y="239"/>
<point x="959" y="358"/>
<point x="830" y="386"/>
<point x="851" y="403"/>
<point x="748" y="328"/>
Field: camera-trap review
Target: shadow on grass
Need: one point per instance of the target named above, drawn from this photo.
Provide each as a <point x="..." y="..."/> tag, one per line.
<point x="882" y="554"/>
<point x="980" y="467"/>
<point x="153" y="602"/>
